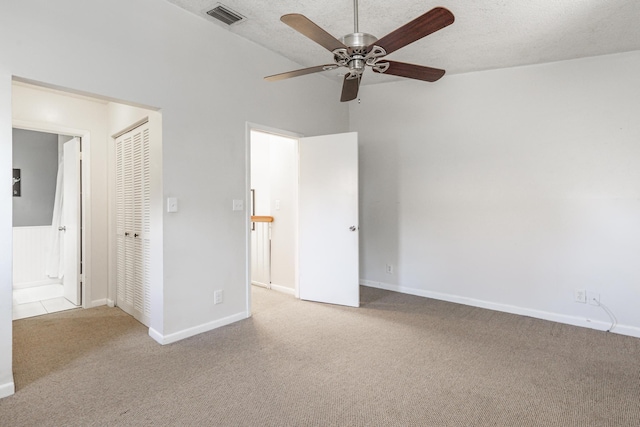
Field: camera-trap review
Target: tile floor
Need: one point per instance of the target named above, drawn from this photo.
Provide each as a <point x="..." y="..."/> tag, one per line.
<point x="39" y="300"/>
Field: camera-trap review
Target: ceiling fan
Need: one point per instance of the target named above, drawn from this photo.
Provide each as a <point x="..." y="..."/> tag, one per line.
<point x="357" y="50"/>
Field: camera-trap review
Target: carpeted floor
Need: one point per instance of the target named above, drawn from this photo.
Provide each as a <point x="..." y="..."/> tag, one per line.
<point x="399" y="360"/>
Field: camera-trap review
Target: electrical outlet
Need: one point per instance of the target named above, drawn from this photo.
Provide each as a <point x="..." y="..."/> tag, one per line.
<point x="580" y="295"/>
<point x="593" y="297"/>
<point x="389" y="269"/>
<point x="217" y="297"/>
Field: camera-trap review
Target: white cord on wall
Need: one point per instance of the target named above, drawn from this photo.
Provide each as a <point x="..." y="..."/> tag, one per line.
<point x="614" y="322"/>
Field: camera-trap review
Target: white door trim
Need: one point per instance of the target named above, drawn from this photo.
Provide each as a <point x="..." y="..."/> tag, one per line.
<point x="266" y="129"/>
<point x="85" y="135"/>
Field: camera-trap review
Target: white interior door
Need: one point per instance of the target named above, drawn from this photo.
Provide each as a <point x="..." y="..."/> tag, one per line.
<point x="133" y="223"/>
<point x="328" y="219"/>
<point x="71" y="221"/>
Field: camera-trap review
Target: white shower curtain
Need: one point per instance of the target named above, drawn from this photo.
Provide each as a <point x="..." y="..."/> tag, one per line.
<point x="55" y="261"/>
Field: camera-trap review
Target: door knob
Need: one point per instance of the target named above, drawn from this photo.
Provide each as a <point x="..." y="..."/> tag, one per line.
<point x="62" y="228"/>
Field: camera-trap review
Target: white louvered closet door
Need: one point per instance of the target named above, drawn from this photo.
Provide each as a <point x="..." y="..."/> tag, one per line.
<point x="133" y="214"/>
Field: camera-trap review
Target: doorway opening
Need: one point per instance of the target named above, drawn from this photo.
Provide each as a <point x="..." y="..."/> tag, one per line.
<point x="273" y="206"/>
<point x="47" y="206"/>
<point x="316" y="179"/>
<point x="92" y="119"/>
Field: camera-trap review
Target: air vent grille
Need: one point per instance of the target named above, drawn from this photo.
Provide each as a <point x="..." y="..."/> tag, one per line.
<point x="224" y="14"/>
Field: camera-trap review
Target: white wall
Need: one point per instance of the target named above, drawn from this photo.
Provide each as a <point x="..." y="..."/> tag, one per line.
<point x="284" y="209"/>
<point x="261" y="172"/>
<point x="507" y="189"/>
<point x="208" y="84"/>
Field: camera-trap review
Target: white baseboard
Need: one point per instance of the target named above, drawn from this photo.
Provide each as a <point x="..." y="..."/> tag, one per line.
<point x="7" y="389"/>
<point x="186" y="333"/>
<point x="522" y="311"/>
<point x="111" y="303"/>
<point x="631" y="331"/>
<point x="157" y="336"/>
<point x="98" y="302"/>
<point x="260" y="284"/>
<point x="283" y="289"/>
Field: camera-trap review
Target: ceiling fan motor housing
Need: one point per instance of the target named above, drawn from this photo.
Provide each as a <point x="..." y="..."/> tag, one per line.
<point x="358" y="41"/>
<point x="354" y="58"/>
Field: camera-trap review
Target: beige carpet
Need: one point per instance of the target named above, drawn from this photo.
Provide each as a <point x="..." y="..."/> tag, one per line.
<point x="398" y="360"/>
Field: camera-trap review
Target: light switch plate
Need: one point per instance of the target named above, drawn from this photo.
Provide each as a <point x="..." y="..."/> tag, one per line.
<point x="172" y="204"/>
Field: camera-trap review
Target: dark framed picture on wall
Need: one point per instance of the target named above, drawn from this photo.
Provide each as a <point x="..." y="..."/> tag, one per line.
<point x="16" y="183"/>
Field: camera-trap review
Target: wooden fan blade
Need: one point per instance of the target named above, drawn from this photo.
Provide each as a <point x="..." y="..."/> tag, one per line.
<point x="301" y="72"/>
<point x="412" y="71"/>
<point x="350" y="89"/>
<point x="306" y="27"/>
<point x="420" y="27"/>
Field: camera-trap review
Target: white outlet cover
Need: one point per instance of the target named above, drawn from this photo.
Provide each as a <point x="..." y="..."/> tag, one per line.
<point x="238" y="205"/>
<point x="217" y="297"/>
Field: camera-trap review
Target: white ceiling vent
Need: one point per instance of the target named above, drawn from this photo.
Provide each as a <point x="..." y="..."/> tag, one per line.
<point x="223" y="14"/>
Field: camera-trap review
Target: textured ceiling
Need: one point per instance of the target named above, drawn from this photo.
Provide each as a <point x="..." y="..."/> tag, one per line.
<point x="486" y="34"/>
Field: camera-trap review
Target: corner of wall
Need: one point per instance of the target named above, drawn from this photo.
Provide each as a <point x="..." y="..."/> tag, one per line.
<point x="6" y="240"/>
<point x="284" y="289"/>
